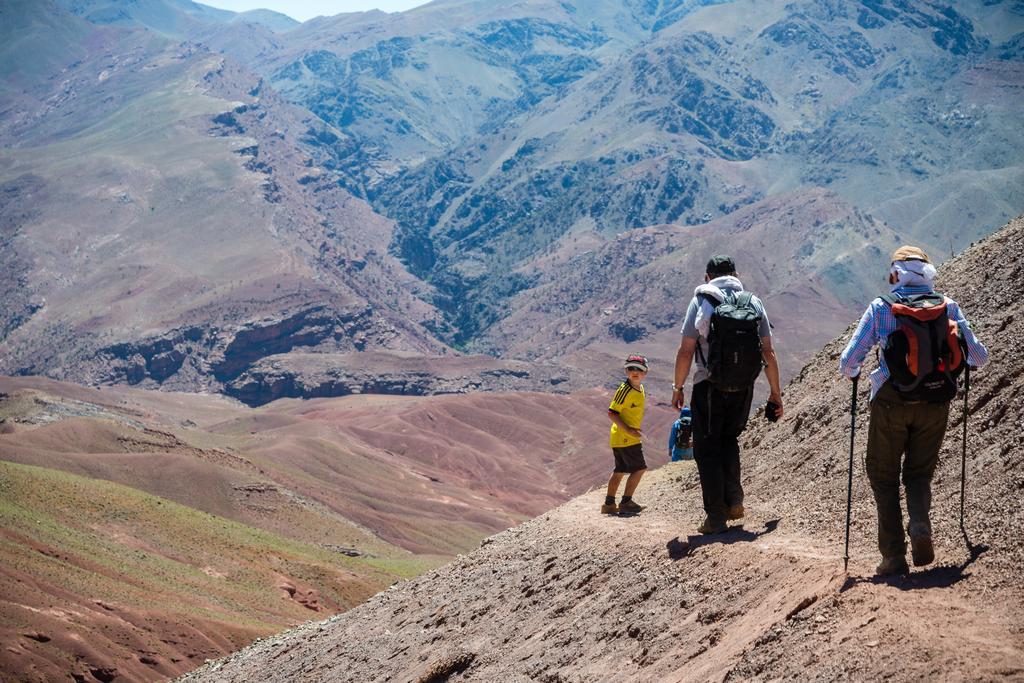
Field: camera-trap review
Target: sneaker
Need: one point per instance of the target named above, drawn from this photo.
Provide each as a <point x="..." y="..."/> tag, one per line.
<point x="630" y="506"/>
<point x="921" y="549"/>
<point x="609" y="509"/>
<point x="712" y="527"/>
<point x="890" y="566"/>
<point x="735" y="512"/>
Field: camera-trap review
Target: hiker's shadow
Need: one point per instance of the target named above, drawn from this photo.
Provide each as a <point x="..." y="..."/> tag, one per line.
<point x="939" y="576"/>
<point x="678" y="549"/>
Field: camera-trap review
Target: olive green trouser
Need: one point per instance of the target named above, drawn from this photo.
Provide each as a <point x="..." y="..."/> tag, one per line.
<point x="898" y="427"/>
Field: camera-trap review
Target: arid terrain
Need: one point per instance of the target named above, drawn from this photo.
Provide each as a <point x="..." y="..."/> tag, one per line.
<point x="576" y="596"/>
<point x="144" y="532"/>
<point x="292" y="313"/>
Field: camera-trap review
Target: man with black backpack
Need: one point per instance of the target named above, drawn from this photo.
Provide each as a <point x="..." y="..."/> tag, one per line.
<point x="727" y="329"/>
<point x="925" y="344"/>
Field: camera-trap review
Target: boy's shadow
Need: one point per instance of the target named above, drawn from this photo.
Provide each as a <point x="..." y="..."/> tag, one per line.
<point x="678" y="549"/>
<point x="939" y="576"/>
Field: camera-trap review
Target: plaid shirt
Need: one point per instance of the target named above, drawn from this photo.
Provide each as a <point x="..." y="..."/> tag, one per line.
<point x="878" y="322"/>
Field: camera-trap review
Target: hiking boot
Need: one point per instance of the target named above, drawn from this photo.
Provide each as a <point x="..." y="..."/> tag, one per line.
<point x="711" y="526"/>
<point x="890" y="566"/>
<point x="611" y="509"/>
<point x="630" y="506"/>
<point x="735" y="512"/>
<point x="921" y="549"/>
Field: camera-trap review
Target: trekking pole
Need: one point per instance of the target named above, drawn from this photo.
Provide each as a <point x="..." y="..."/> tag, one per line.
<point x="849" y="472"/>
<point x="963" y="456"/>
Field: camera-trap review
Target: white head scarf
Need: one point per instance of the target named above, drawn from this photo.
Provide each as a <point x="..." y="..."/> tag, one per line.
<point x="912" y="273"/>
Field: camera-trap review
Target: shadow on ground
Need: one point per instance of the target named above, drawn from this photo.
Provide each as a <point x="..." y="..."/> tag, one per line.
<point x="678" y="549"/>
<point x="939" y="576"/>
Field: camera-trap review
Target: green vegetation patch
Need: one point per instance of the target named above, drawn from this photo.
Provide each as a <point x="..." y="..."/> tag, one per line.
<point x="110" y="542"/>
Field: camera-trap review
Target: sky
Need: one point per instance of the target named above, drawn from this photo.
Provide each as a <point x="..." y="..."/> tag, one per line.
<point x="307" y="9"/>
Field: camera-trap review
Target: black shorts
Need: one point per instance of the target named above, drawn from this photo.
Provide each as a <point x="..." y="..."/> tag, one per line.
<point x="629" y="458"/>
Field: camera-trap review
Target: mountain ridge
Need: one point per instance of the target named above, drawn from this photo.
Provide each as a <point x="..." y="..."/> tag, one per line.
<point x="402" y="189"/>
<point x="667" y="134"/>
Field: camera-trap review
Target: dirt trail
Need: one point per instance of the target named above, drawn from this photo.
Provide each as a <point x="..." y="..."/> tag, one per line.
<point x="576" y="596"/>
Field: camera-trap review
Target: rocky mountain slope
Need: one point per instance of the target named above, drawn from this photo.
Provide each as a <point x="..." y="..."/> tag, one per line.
<point x="576" y="596"/>
<point x="414" y="84"/>
<point x="166" y="221"/>
<point x="172" y="18"/>
<point x="144" y="532"/>
<point x="809" y="255"/>
<point x="903" y="110"/>
<point x="185" y="192"/>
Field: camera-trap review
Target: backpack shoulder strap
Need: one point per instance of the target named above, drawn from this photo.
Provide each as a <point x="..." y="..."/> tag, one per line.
<point x="715" y="303"/>
<point x="743" y="298"/>
<point x="700" y="354"/>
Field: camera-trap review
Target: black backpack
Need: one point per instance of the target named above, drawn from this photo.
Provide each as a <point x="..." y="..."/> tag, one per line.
<point x="925" y="356"/>
<point x="734" y="343"/>
<point x="684" y="433"/>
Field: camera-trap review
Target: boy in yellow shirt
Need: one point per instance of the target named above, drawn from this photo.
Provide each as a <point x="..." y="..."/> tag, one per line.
<point x="626" y="413"/>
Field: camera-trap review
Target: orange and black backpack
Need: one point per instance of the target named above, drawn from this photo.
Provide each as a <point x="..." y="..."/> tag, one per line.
<point x="926" y="355"/>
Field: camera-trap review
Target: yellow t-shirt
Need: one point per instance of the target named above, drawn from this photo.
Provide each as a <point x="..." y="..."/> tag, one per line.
<point x="629" y="404"/>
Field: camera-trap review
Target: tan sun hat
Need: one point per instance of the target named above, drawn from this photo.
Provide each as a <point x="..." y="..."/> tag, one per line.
<point x="909" y="253"/>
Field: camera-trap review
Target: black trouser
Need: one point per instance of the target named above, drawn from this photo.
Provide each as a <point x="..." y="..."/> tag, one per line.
<point x="718" y="420"/>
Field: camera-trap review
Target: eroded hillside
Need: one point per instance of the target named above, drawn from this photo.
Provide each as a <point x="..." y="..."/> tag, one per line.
<point x="168" y="220"/>
<point x="144" y="532"/>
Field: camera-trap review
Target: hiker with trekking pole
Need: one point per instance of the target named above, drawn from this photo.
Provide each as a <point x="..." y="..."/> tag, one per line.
<point x="926" y="344"/>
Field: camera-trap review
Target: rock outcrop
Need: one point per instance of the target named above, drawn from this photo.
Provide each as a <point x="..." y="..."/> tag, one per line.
<point x="215" y="356"/>
<point x="317" y="375"/>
